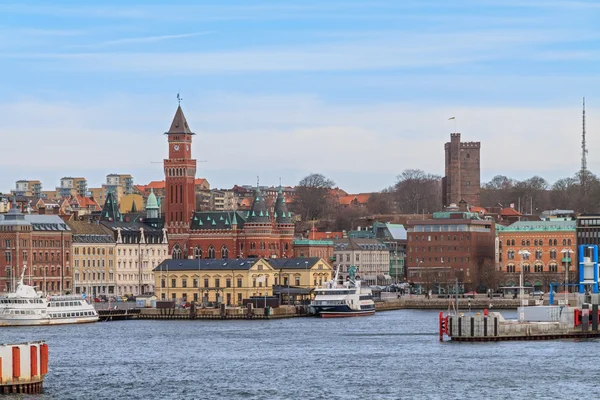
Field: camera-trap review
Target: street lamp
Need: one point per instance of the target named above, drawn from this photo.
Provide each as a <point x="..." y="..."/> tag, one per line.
<point x="524" y="254"/>
<point x="568" y="253"/>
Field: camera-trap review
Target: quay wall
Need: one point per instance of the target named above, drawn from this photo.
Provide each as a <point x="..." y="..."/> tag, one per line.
<point x="223" y="313"/>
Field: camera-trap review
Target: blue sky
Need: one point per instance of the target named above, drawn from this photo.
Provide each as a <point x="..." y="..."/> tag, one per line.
<point x="356" y="90"/>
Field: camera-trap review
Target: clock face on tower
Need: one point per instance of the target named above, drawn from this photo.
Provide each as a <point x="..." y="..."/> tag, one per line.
<point x="176" y="147"/>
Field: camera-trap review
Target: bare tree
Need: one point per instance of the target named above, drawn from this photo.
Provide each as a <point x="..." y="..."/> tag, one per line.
<point x="498" y="191"/>
<point x="380" y="203"/>
<point x="487" y="277"/>
<point x="564" y="193"/>
<point x="312" y="196"/>
<point x="417" y="191"/>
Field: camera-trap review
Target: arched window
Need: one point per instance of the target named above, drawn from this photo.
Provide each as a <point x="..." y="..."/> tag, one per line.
<point x="564" y="242"/>
<point x="211" y="252"/>
<point x="176" y="252"/>
<point x="224" y="252"/>
<point x="197" y="252"/>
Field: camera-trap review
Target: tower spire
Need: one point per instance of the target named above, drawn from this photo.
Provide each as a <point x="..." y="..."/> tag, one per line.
<point x="583" y="173"/>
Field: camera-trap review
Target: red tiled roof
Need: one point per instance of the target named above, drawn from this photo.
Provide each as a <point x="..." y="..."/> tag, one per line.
<point x="361" y="198"/>
<point x="156" y="185"/>
<point x="199" y="181"/>
<point x="509" y="212"/>
<point x="86" y="202"/>
<point x="477" y="209"/>
<point x="140" y="188"/>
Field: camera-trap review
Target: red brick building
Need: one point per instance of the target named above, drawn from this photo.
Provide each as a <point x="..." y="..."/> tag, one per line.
<point x="540" y="249"/>
<point x="39" y="243"/>
<point x="262" y="231"/>
<point x="452" y="244"/>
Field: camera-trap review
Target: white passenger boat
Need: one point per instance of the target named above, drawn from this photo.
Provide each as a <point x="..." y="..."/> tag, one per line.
<point x="347" y="300"/>
<point x="26" y="307"/>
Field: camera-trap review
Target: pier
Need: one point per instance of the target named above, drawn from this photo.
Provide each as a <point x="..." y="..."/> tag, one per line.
<point x="194" y="313"/>
<point x="23" y="367"/>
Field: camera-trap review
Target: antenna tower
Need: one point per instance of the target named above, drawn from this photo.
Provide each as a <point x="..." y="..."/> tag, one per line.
<point x="583" y="177"/>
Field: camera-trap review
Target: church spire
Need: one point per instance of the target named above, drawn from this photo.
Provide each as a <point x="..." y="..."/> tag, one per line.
<point x="281" y="212"/>
<point x="110" y="211"/>
<point x="179" y="124"/>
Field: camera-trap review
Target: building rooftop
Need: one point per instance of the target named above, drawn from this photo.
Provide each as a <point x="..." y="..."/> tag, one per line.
<point x="539" y="226"/>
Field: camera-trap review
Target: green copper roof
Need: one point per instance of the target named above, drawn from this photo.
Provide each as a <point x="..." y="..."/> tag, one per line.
<point x="539" y="226"/>
<point x="152" y="202"/>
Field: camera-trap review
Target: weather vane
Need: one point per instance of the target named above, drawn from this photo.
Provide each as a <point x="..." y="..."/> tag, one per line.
<point x="179" y="99"/>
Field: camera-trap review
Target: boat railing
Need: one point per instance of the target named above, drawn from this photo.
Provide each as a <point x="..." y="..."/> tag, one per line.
<point x="66" y="297"/>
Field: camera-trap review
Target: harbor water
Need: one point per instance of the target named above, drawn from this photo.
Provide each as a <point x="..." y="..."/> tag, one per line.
<point x="390" y="355"/>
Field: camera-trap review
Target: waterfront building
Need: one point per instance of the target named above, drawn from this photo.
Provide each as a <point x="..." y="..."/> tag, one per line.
<point x="588" y="229"/>
<point x="394" y="237"/>
<point x="140" y="246"/>
<point x="232" y="281"/>
<point x="452" y="244"/>
<point x="42" y="244"/>
<point x="29" y="188"/>
<point x="117" y="184"/>
<point x="313" y="248"/>
<point x="540" y="250"/>
<point x="93" y="259"/>
<point x="259" y="232"/>
<point x="70" y="186"/>
<point x="82" y="205"/>
<point x="370" y="256"/>
<point x="4" y="203"/>
<point x="462" y="180"/>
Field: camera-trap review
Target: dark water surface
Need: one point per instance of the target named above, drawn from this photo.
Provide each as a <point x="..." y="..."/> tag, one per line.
<point x="391" y="355"/>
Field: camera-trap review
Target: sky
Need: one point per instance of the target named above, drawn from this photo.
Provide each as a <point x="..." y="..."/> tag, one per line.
<point x="356" y="90"/>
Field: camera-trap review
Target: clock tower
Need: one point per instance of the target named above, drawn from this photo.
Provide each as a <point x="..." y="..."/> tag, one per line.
<point x="180" y="175"/>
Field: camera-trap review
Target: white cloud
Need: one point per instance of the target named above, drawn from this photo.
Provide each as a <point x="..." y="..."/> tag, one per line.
<point x="240" y="134"/>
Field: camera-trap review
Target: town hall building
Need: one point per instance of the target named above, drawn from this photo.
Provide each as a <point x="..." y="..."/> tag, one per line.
<point x="258" y="232"/>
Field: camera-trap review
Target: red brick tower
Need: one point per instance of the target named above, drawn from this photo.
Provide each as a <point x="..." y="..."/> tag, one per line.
<point x="180" y="173"/>
<point x="462" y="180"/>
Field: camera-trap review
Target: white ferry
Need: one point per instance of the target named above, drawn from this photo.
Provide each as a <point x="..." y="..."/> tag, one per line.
<point x="347" y="300"/>
<point x="26" y="307"/>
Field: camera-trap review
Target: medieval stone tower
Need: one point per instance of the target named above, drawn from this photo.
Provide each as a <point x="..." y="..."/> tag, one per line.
<point x="462" y="180"/>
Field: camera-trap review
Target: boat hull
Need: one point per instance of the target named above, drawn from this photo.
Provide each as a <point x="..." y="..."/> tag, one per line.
<point x="334" y="314"/>
<point x="47" y="321"/>
<point x="342" y="311"/>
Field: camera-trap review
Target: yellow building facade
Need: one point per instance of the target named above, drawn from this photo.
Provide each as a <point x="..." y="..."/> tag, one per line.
<point x="232" y="281"/>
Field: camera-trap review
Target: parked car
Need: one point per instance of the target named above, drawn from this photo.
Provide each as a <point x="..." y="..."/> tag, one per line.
<point x="538" y="293"/>
<point x="470" y="294"/>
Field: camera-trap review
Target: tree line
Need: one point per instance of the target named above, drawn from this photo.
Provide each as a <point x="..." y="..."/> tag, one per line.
<point x="418" y="192"/>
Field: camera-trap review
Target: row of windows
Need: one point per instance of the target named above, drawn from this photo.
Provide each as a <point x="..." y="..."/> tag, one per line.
<point x="92" y="251"/>
<point x="72" y="314"/>
<point x="510" y="254"/>
<point x="38" y="243"/>
<point x="92" y="263"/>
<point x="148" y="251"/>
<point x="228" y="297"/>
<point x="536" y="242"/>
<point x="537" y="268"/>
<point x="441" y="259"/>
<point x="441" y="248"/>
<point x="429" y="238"/>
